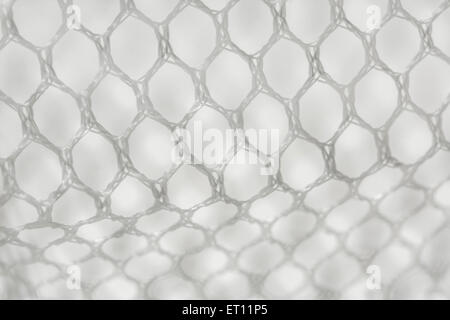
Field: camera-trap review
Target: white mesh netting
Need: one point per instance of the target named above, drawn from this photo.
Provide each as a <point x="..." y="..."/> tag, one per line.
<point x="88" y="188"/>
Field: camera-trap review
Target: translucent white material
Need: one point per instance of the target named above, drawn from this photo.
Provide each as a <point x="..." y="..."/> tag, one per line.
<point x="357" y="90"/>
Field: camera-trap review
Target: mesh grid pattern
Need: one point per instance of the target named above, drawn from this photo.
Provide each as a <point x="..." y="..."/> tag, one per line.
<point x="323" y="234"/>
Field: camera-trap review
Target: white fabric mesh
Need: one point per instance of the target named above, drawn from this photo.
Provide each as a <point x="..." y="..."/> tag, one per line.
<point x="380" y="197"/>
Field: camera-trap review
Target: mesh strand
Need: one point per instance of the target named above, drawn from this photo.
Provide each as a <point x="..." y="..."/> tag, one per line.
<point x="339" y="273"/>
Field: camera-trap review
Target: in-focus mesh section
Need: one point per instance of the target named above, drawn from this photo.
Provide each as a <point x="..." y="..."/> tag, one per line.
<point x="363" y="181"/>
